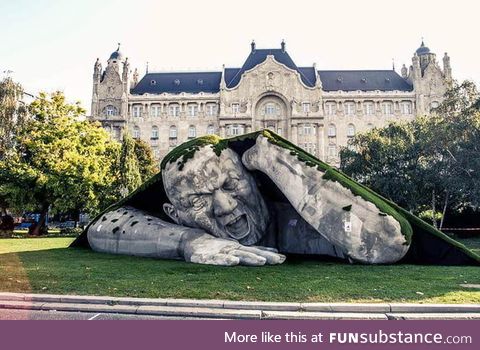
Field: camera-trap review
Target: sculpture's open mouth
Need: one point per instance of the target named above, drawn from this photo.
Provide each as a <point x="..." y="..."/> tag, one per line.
<point x="238" y="228"/>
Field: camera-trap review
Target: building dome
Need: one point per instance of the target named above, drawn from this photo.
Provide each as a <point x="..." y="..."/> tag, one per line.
<point x="117" y="55"/>
<point x="422" y="50"/>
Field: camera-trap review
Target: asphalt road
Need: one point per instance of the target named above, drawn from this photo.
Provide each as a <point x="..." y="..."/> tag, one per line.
<point x="7" y="314"/>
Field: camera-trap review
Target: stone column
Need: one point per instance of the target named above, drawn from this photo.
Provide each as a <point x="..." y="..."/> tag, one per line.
<point x="320" y="142"/>
<point x="294" y="134"/>
<point x="248" y="128"/>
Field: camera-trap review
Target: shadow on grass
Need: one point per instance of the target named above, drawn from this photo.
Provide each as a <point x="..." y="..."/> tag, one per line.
<point x="81" y="271"/>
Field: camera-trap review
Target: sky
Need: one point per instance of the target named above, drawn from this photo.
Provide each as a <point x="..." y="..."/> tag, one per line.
<point x="51" y="45"/>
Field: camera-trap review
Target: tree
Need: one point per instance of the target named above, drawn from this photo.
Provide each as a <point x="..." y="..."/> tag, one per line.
<point x="146" y="162"/>
<point x="13" y="113"/>
<point x="61" y="163"/>
<point x="129" y="177"/>
<point x="427" y="165"/>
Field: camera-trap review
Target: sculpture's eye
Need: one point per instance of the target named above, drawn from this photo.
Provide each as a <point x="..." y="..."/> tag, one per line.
<point x="230" y="185"/>
<point x="198" y="202"/>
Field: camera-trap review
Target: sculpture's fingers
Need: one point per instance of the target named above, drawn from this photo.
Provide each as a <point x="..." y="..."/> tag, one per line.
<point x="249" y="259"/>
<point x="268" y="249"/>
<point x="215" y="259"/>
<point x="249" y="158"/>
<point x="271" y="258"/>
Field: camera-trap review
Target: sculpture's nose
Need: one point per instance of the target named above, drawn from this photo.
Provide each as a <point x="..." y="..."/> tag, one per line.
<point x="223" y="203"/>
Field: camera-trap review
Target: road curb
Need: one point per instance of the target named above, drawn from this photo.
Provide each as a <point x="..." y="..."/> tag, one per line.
<point x="237" y="309"/>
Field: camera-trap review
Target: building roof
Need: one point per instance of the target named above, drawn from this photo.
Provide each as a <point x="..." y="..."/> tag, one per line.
<point x="422" y="50"/>
<point x="363" y="80"/>
<point x="176" y="83"/>
<point x="332" y="80"/>
<point x="258" y="56"/>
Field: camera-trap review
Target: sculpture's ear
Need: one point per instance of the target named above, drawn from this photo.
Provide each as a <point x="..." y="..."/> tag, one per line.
<point x="170" y="210"/>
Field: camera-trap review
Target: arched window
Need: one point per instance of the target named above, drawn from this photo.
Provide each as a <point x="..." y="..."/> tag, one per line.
<point x="434" y="104"/>
<point x="154" y="132"/>
<point x="111" y="111"/>
<point x="332" y="130"/>
<point x="192" y="132"/>
<point x="210" y="130"/>
<point x="370" y="126"/>
<point x="136" y="132"/>
<point x="108" y="129"/>
<point x="351" y="130"/>
<point x="173" y="132"/>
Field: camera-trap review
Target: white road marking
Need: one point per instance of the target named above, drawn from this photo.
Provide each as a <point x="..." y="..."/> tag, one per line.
<point x="94" y="317"/>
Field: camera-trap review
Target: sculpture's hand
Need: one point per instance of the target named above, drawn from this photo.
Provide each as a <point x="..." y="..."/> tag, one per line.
<point x="217" y="251"/>
<point x="259" y="156"/>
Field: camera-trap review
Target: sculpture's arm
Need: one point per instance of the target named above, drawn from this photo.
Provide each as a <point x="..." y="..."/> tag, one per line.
<point x="352" y="224"/>
<point x="131" y="231"/>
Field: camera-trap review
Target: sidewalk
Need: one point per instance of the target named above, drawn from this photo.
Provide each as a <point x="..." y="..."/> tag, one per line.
<point x="223" y="309"/>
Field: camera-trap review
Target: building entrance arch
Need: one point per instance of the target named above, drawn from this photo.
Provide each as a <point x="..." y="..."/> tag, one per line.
<point x="272" y="112"/>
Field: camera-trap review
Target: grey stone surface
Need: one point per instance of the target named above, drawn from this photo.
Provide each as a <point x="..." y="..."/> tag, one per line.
<point x="259" y="305"/>
<point x="288" y="315"/>
<point x="433" y="316"/>
<point x="200" y="312"/>
<point x="26" y="305"/>
<point x="437" y="308"/>
<point x="97" y="308"/>
<point x="346" y="307"/>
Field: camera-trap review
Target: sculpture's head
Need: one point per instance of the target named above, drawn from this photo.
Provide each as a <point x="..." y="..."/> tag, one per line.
<point x="216" y="194"/>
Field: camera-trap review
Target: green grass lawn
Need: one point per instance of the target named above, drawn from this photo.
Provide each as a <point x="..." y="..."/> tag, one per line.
<point x="46" y="265"/>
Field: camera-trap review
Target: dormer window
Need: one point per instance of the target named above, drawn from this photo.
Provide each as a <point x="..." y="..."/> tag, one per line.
<point x="176" y="82"/>
<point x="200" y="81"/>
<point x="153" y="82"/>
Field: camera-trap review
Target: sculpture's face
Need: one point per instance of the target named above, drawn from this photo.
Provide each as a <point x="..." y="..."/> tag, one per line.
<point x="216" y="194"/>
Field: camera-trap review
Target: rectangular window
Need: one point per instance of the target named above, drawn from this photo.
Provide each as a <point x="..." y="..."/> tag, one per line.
<point x="192" y="110"/>
<point x="407" y="108"/>
<point x="387" y="108"/>
<point x="349" y="108"/>
<point x="137" y="111"/>
<point x="306" y="107"/>
<point x="307" y="129"/>
<point x="330" y="108"/>
<point x="270" y="109"/>
<point x="155" y="111"/>
<point x="211" y="110"/>
<point x="235" y="108"/>
<point x="174" y="110"/>
<point x="332" y="151"/>
<point x="368" y="108"/>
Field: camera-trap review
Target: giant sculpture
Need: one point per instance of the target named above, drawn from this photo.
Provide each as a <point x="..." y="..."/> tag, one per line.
<point x="253" y="199"/>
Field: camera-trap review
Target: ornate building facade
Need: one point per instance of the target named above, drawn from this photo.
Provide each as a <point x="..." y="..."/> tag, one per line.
<point x="319" y="110"/>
